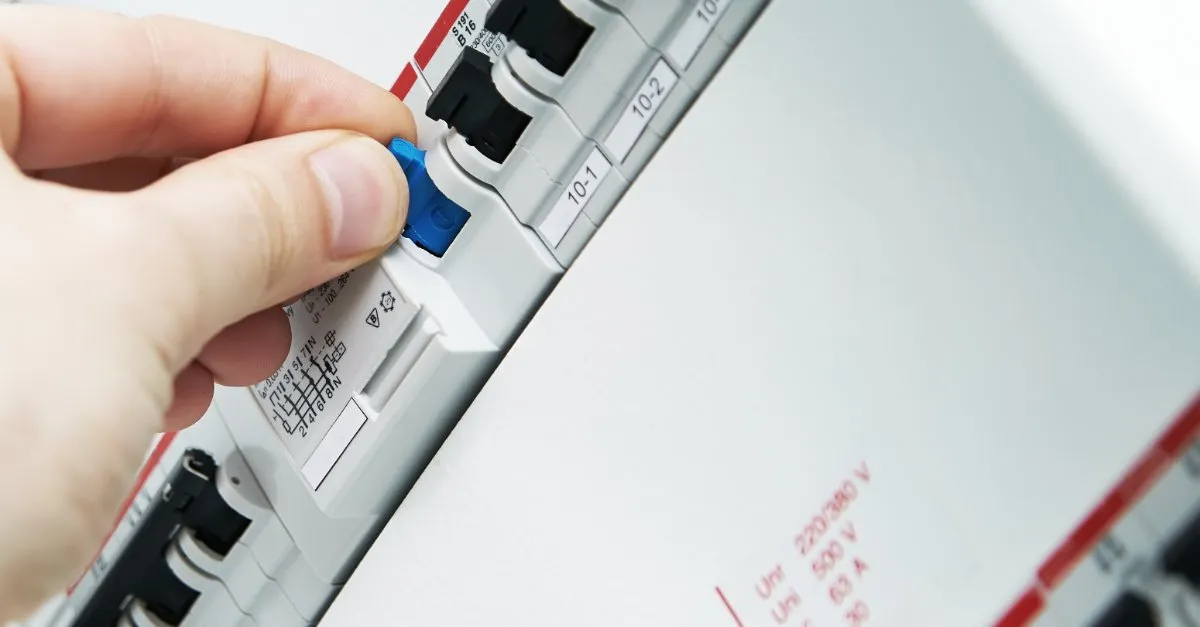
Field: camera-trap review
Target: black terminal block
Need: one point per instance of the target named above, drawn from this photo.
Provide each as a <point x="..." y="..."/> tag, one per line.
<point x="1181" y="556"/>
<point x="188" y="499"/>
<point x="547" y="30"/>
<point x="468" y="101"/>
<point x="1128" y="610"/>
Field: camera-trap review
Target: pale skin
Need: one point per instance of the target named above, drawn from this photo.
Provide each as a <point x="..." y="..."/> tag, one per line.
<point x="164" y="187"/>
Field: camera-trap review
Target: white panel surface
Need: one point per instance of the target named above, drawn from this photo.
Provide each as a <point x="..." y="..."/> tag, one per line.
<point x="875" y="275"/>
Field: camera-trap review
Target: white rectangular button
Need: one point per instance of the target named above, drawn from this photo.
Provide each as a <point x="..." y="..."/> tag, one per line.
<point x="333" y="444"/>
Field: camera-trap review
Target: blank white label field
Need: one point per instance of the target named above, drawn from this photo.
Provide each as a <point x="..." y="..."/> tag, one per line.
<point x="575" y="197"/>
<point x="644" y="104"/>
<point x="695" y="30"/>
<point x="335" y="442"/>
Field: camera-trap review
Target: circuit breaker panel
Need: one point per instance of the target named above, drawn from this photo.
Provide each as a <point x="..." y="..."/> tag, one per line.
<point x="534" y="117"/>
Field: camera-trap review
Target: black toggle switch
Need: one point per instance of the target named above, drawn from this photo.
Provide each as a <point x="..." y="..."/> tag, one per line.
<point x="163" y="594"/>
<point x="189" y="498"/>
<point x="1128" y="610"/>
<point x="1181" y="556"/>
<point x="468" y="101"/>
<point x="216" y="525"/>
<point x="547" y="30"/>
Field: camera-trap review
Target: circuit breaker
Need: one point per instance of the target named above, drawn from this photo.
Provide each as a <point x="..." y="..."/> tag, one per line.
<point x="534" y="117"/>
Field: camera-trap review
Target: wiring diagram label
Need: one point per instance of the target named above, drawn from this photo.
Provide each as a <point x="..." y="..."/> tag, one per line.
<point x="575" y="197"/>
<point x="467" y="31"/>
<point x="644" y="104"/>
<point x="341" y="332"/>
<point x="696" y="28"/>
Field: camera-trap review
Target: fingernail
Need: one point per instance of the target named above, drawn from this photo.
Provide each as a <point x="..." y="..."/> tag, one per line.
<point x="356" y="194"/>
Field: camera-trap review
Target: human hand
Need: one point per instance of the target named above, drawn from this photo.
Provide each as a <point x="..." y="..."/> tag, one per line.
<point x="133" y="279"/>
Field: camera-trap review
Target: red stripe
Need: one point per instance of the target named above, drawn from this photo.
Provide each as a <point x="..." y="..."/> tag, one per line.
<point x="1179" y="435"/>
<point x="405" y="81"/>
<point x="729" y="607"/>
<point x="441" y="27"/>
<point x="1135" y="482"/>
<point x="1060" y="562"/>
<point x="1027" y="608"/>
<point x="151" y="462"/>
<point x="1139" y="478"/>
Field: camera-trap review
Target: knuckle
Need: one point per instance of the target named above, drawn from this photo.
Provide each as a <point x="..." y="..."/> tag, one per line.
<point x="154" y="106"/>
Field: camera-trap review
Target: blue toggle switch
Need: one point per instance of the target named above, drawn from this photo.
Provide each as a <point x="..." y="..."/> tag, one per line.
<point x="433" y="220"/>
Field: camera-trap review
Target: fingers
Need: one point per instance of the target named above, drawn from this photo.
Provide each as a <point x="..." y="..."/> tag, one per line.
<point x="194" y="389"/>
<point x="243" y="354"/>
<point x="165" y="86"/>
<point x="117" y="175"/>
<point x="249" y="351"/>
<point x="247" y="228"/>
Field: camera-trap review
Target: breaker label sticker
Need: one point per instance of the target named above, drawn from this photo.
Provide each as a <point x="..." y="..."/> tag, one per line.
<point x="341" y="331"/>
<point x="466" y="30"/>
<point x="575" y="197"/>
<point x="696" y="28"/>
<point x="644" y="104"/>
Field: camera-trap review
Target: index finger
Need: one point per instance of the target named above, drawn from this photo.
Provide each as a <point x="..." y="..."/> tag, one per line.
<point x="81" y="87"/>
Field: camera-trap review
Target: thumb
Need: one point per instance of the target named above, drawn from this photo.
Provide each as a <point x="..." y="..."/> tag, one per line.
<point x="244" y="230"/>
